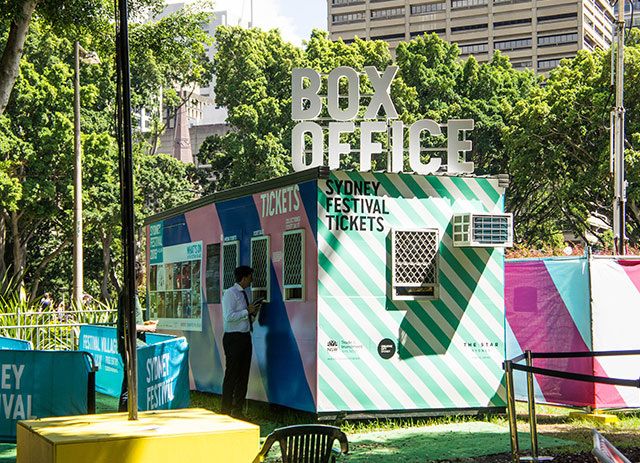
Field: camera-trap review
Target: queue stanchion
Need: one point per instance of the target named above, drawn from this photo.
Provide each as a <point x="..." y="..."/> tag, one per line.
<point x="533" y="431"/>
<point x="511" y="411"/>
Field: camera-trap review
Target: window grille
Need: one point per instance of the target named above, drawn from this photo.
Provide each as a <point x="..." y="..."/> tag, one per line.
<point x="415" y="263"/>
<point x="260" y="249"/>
<point x="483" y="230"/>
<point x="212" y="275"/>
<point x="293" y="265"/>
<point x="230" y="260"/>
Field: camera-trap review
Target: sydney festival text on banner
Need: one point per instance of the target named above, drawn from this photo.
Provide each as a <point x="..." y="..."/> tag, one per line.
<point x="163" y="367"/>
<point x="41" y="384"/>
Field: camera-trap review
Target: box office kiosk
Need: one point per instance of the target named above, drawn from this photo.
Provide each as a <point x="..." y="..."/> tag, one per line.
<point x="384" y="291"/>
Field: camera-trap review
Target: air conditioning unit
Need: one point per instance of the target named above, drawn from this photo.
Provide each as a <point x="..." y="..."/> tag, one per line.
<point x="482" y="230"/>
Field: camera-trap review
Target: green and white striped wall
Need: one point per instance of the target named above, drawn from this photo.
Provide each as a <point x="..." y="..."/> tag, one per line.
<point x="448" y="350"/>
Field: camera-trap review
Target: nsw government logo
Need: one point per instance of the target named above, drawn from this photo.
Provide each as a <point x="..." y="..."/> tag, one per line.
<point x="386" y="348"/>
<point x="332" y="346"/>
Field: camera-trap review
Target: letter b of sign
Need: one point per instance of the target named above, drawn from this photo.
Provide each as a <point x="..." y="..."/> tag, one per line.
<point x="300" y="94"/>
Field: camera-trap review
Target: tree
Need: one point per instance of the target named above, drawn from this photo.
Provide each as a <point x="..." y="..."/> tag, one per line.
<point x="432" y="83"/>
<point x="72" y="16"/>
<point x="558" y="145"/>
<point x="36" y="146"/>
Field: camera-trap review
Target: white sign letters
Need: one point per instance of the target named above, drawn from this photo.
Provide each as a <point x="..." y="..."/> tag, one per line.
<point x="306" y="106"/>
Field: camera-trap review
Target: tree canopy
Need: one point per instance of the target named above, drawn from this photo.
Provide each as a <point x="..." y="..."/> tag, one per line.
<point x="36" y="144"/>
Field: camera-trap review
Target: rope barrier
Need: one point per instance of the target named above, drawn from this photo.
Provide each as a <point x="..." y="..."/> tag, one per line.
<point x="510" y="365"/>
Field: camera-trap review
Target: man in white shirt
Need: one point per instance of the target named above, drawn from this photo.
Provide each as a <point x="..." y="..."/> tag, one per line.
<point x="238" y="315"/>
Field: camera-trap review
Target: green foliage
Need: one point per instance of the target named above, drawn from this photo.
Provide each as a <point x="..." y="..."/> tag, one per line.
<point x="36" y="148"/>
<point x="558" y="148"/>
<point x="253" y="70"/>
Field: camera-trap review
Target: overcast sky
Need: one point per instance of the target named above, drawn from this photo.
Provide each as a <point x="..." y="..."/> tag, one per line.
<point x="294" y="18"/>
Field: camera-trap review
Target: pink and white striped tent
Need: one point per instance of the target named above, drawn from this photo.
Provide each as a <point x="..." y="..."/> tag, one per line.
<point x="575" y="304"/>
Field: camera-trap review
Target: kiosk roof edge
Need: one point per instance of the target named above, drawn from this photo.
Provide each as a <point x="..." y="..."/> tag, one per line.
<point x="296" y="177"/>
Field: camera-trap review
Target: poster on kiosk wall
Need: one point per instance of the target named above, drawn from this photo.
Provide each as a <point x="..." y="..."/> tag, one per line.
<point x="175" y="289"/>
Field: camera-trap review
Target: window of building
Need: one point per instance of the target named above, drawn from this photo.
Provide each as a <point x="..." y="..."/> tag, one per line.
<point x="414" y="264"/>
<point x="387" y="13"/>
<point x="467" y="3"/>
<point x="435" y="31"/>
<point x="506" y="2"/>
<point x="513" y="22"/>
<point x="212" y="275"/>
<point x="559" y="39"/>
<point x="522" y="65"/>
<point x="345" y="2"/>
<point x="547" y="64"/>
<point x="516" y="44"/>
<point x="230" y="260"/>
<point x="558" y="17"/>
<point x="474" y="48"/>
<point x="347" y="18"/>
<point x="425" y="8"/>
<point x="388" y="37"/>
<point x="260" y="251"/>
<point x="472" y="27"/>
<point x="293" y="265"/>
<point x="589" y="43"/>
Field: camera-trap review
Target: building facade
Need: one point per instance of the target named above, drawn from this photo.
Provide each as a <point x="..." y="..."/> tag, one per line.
<point x="535" y="34"/>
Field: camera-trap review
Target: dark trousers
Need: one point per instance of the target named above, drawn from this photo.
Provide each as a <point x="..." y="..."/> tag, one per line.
<point x="124" y="389"/>
<point x="237" y="349"/>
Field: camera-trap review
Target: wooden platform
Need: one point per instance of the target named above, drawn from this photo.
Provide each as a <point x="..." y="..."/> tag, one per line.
<point x="190" y="435"/>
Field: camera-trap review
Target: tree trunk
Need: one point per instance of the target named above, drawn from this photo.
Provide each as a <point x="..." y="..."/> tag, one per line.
<point x="13" y="50"/>
<point x="43" y="264"/>
<point x="106" y="265"/>
<point x="18" y="251"/>
<point x="3" y="245"/>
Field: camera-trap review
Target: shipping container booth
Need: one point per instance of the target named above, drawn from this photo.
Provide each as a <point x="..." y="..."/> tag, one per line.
<point x="384" y="290"/>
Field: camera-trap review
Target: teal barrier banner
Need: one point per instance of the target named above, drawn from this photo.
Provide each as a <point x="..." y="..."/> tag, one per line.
<point x="40" y="384"/>
<point x="163" y="375"/>
<point x="155" y="338"/>
<point x="14" y="344"/>
<point x="163" y="367"/>
<point x="101" y="342"/>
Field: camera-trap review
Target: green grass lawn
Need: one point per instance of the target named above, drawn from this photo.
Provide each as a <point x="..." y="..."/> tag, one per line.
<point x="450" y="438"/>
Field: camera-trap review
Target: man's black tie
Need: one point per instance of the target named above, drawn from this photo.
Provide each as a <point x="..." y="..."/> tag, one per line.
<point x="250" y="315"/>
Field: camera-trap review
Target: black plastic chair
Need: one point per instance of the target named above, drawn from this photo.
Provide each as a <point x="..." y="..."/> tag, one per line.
<point x="312" y="443"/>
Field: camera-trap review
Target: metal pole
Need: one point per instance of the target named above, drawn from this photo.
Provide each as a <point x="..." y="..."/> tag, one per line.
<point x="533" y="430"/>
<point x="251" y="23"/>
<point x="128" y="219"/>
<point x="511" y="412"/>
<point x="618" y="142"/>
<point x="77" y="189"/>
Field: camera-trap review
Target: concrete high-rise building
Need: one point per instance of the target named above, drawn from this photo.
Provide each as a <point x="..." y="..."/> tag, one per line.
<point x="535" y="34"/>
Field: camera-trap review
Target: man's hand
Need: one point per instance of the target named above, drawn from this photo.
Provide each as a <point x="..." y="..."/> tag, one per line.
<point x="150" y="326"/>
<point x="253" y="308"/>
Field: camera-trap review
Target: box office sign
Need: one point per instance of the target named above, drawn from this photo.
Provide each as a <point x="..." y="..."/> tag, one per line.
<point x="307" y="105"/>
<point x="175" y="289"/>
